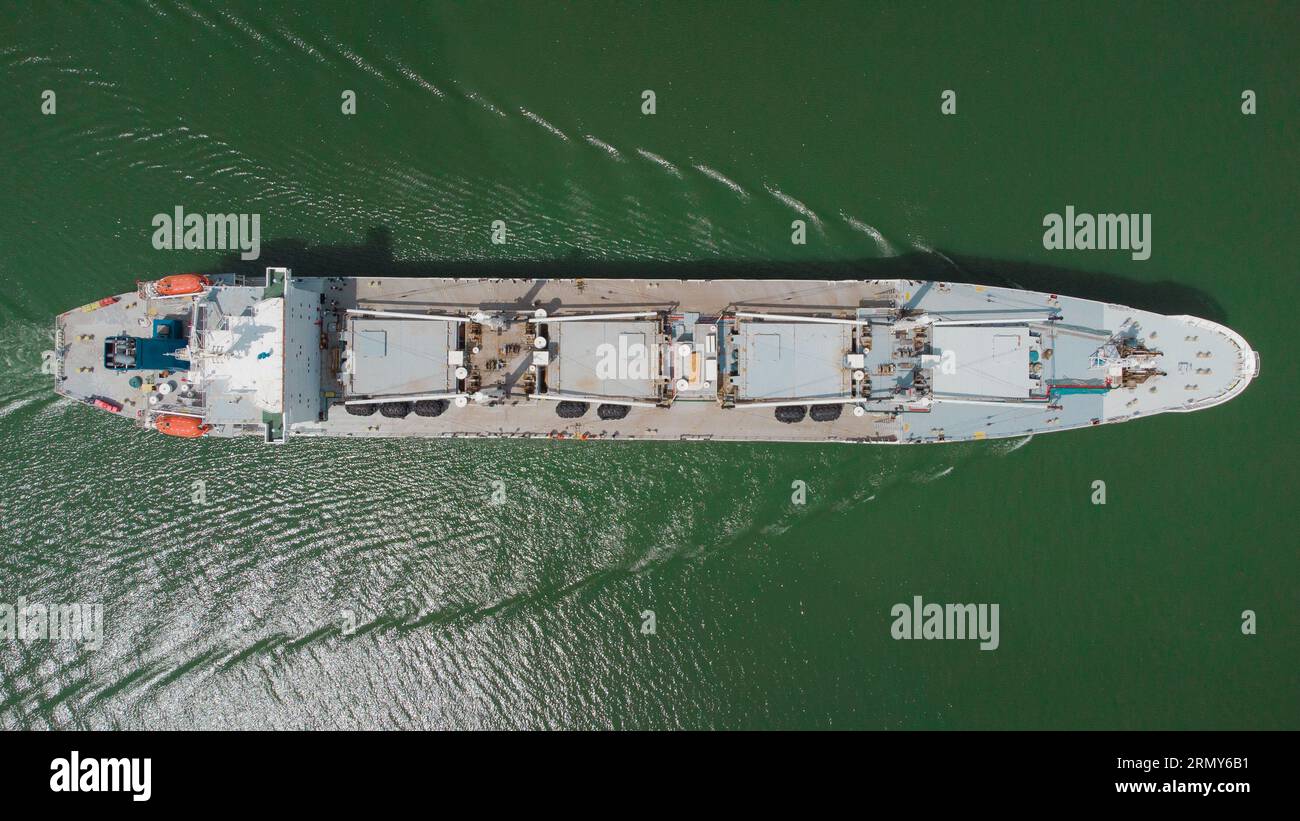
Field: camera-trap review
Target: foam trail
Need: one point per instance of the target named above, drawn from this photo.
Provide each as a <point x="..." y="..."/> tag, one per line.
<point x="354" y="58"/>
<point x="718" y="176"/>
<point x="791" y="202"/>
<point x="199" y="17"/>
<point x="1018" y="445"/>
<point x="660" y="161"/>
<point x="410" y="74"/>
<point x="544" y="124"/>
<point x="257" y="36"/>
<point x="921" y="246"/>
<point x="154" y="8"/>
<point x="604" y="146"/>
<point x="702" y="231"/>
<point x="881" y="243"/>
<point x="301" y="44"/>
<point x="941" y="474"/>
<point x="485" y="103"/>
<point x="18" y="405"/>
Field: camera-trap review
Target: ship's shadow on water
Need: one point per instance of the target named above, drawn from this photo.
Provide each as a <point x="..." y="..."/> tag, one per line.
<point x="375" y="257"/>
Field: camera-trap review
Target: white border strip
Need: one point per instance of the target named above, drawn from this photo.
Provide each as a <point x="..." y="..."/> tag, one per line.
<point x="547" y="320"/>
<point x="415" y="397"/>
<point x="780" y="403"/>
<point x="601" y="400"/>
<point x="400" y="315"/>
<point x="1017" y="320"/>
<point x="797" y="318"/>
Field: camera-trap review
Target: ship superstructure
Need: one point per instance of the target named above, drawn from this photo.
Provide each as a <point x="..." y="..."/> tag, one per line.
<point x="893" y="361"/>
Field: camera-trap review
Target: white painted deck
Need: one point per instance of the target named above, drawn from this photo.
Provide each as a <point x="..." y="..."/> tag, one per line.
<point x="1203" y="364"/>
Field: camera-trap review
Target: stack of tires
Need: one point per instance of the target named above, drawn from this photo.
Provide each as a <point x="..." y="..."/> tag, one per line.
<point x="610" y="412"/>
<point x="430" y="407"/>
<point x="826" y="413"/>
<point x="570" y="410"/>
<point x="791" y="414"/>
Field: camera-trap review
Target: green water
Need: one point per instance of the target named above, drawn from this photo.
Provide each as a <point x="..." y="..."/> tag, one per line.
<point x="768" y="614"/>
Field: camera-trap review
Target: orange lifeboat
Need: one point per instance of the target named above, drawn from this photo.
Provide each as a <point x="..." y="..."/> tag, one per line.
<point x="108" y="405"/>
<point x="186" y="427"/>
<point x="181" y="284"/>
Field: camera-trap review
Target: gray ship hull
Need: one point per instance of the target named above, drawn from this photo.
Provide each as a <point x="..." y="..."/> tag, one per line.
<point x="877" y="361"/>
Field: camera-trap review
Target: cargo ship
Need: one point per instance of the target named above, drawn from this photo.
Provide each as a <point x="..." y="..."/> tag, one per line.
<point x="871" y="361"/>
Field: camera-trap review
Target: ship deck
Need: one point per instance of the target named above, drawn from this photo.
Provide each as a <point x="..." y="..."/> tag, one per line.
<point x="767" y="348"/>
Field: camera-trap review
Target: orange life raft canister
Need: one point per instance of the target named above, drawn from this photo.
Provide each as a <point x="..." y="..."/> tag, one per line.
<point x="178" y="284"/>
<point x="188" y="427"/>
